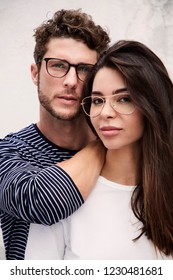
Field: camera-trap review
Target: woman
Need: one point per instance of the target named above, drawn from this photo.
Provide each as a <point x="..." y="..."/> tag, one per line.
<point x="128" y="99"/>
<point x="128" y="102"/>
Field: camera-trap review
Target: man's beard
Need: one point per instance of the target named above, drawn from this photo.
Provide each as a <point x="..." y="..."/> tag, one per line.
<point x="46" y="103"/>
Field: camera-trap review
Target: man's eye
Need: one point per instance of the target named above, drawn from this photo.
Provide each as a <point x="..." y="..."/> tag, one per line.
<point x="59" y="66"/>
<point x="84" y="68"/>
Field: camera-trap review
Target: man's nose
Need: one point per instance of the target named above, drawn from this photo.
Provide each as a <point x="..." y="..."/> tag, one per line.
<point x="71" y="79"/>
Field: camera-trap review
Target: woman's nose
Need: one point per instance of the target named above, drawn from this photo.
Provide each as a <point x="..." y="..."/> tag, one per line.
<point x="107" y="110"/>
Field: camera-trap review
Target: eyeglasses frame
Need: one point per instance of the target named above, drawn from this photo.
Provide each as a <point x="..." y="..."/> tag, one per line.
<point x="46" y="59"/>
<point x="113" y="107"/>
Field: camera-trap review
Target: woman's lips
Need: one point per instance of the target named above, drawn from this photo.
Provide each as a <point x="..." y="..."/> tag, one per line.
<point x="110" y="130"/>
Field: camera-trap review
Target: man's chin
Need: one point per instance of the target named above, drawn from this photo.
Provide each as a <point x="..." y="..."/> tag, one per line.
<point x="67" y="117"/>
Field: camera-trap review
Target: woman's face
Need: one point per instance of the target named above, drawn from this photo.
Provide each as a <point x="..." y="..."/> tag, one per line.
<point x="116" y="130"/>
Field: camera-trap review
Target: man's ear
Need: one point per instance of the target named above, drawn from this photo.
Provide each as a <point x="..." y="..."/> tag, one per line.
<point x="34" y="73"/>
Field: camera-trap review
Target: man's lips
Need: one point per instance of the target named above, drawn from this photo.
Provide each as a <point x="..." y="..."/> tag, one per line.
<point x="67" y="99"/>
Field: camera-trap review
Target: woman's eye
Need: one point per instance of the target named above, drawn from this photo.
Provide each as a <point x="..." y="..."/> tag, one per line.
<point x="124" y="99"/>
<point x="97" y="101"/>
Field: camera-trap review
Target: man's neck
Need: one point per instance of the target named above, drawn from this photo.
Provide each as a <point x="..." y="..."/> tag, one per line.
<point x="73" y="135"/>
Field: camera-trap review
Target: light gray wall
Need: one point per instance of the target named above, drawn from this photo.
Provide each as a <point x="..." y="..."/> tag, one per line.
<point x="149" y="21"/>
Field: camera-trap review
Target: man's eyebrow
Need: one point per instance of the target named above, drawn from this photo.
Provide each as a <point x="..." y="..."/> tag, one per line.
<point x="119" y="90"/>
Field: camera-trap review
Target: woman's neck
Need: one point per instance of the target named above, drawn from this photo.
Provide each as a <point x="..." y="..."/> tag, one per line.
<point x="121" y="166"/>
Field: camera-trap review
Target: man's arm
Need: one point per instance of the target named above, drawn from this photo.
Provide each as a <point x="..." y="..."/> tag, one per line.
<point x="50" y="194"/>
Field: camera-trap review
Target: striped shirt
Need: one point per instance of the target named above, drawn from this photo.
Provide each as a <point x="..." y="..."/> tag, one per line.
<point x="32" y="188"/>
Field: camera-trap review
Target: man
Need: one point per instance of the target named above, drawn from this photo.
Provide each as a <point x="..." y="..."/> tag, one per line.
<point x="37" y="185"/>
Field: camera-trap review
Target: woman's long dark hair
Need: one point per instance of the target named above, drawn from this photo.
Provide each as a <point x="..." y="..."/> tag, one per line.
<point x="152" y="90"/>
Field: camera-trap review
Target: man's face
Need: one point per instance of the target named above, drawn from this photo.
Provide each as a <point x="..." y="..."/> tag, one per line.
<point x="61" y="97"/>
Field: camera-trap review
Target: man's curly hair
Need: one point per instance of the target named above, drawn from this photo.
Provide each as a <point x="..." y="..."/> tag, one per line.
<point x="70" y="24"/>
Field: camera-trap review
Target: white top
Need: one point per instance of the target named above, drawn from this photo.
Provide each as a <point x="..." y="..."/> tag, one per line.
<point x="103" y="228"/>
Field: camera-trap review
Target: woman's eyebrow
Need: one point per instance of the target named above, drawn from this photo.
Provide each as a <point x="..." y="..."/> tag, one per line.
<point x="96" y="93"/>
<point x="119" y="90"/>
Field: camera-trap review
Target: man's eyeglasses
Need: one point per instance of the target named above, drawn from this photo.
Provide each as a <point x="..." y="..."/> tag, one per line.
<point x="121" y="103"/>
<point x="58" y="68"/>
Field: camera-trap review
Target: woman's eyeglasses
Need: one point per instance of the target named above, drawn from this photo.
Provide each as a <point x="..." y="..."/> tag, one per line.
<point x="121" y="103"/>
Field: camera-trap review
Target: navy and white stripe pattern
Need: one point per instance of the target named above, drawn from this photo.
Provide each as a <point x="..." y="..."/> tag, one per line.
<point x="32" y="188"/>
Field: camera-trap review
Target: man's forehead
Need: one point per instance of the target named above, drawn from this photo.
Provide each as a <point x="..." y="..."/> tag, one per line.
<point x="70" y="49"/>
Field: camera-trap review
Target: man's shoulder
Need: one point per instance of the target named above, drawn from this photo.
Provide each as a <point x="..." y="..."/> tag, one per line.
<point x="27" y="144"/>
<point x="22" y="132"/>
<point x="30" y="140"/>
<point x="19" y="135"/>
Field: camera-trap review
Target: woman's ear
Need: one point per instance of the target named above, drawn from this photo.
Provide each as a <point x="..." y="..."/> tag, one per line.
<point x="34" y="73"/>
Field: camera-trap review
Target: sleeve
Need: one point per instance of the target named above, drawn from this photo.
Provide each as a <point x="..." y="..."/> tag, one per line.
<point x="35" y="195"/>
